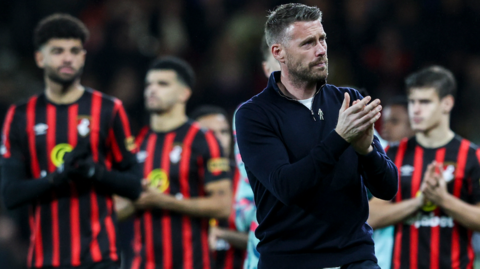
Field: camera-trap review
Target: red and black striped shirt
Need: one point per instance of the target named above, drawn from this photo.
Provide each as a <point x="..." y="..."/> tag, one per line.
<point x="180" y="162"/>
<point x="227" y="256"/>
<point x="430" y="238"/>
<point x="73" y="225"/>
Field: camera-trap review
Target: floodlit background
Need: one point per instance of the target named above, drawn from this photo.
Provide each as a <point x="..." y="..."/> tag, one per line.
<point x="372" y="44"/>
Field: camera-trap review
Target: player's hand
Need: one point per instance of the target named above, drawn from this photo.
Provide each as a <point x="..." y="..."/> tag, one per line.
<point x="63" y="173"/>
<point x="213" y="237"/>
<point x="435" y="187"/>
<point x="354" y="120"/>
<point x="152" y="198"/>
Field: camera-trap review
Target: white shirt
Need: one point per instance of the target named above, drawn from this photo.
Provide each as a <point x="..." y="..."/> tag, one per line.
<point x="307" y="103"/>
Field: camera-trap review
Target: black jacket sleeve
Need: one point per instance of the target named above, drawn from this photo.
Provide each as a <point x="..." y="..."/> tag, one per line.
<point x="380" y="173"/>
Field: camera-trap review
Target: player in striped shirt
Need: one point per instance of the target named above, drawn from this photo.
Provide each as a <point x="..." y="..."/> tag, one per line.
<point x="187" y="177"/>
<point x="437" y="206"/>
<point x="65" y="152"/>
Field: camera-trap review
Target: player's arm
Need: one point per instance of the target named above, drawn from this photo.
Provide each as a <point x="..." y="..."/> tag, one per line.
<point x="466" y="214"/>
<point x="266" y="157"/>
<point x="435" y="190"/>
<point x="216" y="204"/>
<point x="125" y="177"/>
<point x="235" y="238"/>
<point x="384" y="213"/>
<point x="16" y="188"/>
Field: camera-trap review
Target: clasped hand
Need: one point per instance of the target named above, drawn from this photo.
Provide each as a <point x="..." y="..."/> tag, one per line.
<point x="77" y="165"/>
<point x="434" y="186"/>
<point x="356" y="122"/>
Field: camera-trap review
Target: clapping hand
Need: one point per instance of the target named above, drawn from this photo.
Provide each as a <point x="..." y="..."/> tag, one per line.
<point x="356" y="122"/>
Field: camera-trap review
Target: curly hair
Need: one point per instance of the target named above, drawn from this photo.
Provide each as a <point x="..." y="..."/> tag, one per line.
<point x="59" y="26"/>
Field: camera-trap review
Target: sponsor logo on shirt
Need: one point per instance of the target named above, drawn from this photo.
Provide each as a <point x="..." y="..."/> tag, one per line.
<point x="430" y="220"/>
<point x="217" y="165"/>
<point x="40" y="128"/>
<point x="158" y="179"/>
<point x="58" y="152"/>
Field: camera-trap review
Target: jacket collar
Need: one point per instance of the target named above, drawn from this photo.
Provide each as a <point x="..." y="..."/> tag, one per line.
<point x="275" y="77"/>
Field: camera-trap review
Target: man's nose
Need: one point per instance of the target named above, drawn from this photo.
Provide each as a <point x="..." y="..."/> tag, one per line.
<point x="67" y="57"/>
<point x="321" y="49"/>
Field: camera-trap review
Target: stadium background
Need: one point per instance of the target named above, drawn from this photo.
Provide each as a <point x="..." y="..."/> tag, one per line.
<point x="372" y="44"/>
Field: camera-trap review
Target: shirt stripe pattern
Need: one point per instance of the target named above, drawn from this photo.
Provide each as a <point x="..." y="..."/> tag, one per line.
<point x="73" y="225"/>
<point x="166" y="239"/>
<point x="430" y="238"/>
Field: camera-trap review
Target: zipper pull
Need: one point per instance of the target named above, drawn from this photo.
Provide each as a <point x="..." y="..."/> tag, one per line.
<point x="313" y="115"/>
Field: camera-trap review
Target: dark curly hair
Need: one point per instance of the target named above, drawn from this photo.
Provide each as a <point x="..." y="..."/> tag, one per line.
<point x="59" y="26"/>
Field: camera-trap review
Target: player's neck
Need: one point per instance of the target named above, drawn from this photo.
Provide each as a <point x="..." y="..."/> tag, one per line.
<point x="436" y="137"/>
<point x="169" y="120"/>
<point x="61" y="94"/>
<point x="293" y="88"/>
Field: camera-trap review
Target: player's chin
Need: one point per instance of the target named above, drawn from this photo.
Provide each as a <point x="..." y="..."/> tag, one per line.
<point x="418" y="128"/>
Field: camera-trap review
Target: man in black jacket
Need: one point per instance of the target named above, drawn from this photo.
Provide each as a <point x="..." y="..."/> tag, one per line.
<point x="310" y="154"/>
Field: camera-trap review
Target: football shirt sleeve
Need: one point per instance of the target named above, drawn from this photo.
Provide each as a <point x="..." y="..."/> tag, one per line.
<point x="215" y="164"/>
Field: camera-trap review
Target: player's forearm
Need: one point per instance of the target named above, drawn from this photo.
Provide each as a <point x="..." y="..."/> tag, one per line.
<point x="384" y="214"/>
<point x="211" y="207"/>
<point x="466" y="214"/>
<point x="236" y="239"/>
<point x="125" y="183"/>
<point x="16" y="189"/>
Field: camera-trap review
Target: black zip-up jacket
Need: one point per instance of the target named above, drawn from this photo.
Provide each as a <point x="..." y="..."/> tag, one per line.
<point x="310" y="186"/>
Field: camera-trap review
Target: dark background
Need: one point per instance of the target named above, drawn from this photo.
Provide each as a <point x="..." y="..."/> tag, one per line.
<point x="372" y="44"/>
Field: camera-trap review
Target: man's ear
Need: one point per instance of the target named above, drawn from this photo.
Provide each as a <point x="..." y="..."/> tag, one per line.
<point x="186" y="93"/>
<point x="39" y="57"/>
<point x="447" y="104"/>
<point x="278" y="52"/>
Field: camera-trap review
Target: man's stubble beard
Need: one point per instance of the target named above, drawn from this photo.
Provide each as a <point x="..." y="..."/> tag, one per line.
<point x="52" y="75"/>
<point x="302" y="75"/>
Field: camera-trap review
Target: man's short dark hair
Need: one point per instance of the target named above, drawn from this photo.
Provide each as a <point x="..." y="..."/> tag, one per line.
<point x="398" y="100"/>
<point x="206" y="110"/>
<point x="283" y="16"/>
<point x="265" y="49"/>
<point x="437" y="77"/>
<point x="183" y="70"/>
<point x="59" y="25"/>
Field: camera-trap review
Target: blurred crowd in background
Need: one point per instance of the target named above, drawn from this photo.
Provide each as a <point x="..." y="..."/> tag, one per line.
<point x="372" y="44"/>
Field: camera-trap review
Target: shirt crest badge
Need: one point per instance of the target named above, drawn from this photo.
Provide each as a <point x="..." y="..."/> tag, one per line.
<point x="176" y="154"/>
